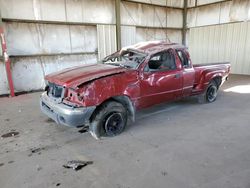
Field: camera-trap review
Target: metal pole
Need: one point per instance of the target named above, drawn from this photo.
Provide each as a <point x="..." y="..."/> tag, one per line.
<point x="184" y="26"/>
<point x="6" y="59"/>
<point x="118" y="23"/>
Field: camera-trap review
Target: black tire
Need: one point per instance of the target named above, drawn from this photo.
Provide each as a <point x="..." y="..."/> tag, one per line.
<point x="210" y="94"/>
<point x="110" y="119"/>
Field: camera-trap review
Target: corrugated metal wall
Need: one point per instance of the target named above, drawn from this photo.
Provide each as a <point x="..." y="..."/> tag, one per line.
<point x="106" y="35"/>
<point x="220" y="32"/>
<point x="144" y="22"/>
<point x="49" y="38"/>
<point x="4" y="88"/>
<point x="143" y="34"/>
<point x="226" y="42"/>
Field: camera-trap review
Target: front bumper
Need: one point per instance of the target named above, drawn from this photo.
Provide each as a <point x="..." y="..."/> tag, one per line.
<point x="63" y="114"/>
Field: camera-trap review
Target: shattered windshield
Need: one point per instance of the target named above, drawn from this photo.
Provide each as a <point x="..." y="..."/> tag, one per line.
<point x="125" y="58"/>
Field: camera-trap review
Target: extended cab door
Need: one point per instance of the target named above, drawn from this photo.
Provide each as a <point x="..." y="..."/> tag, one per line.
<point x="161" y="79"/>
<point x="188" y="71"/>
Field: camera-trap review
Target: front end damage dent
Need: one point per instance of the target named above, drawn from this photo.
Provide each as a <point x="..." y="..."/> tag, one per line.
<point x="64" y="114"/>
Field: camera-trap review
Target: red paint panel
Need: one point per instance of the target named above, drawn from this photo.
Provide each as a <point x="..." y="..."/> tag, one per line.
<point x="72" y="77"/>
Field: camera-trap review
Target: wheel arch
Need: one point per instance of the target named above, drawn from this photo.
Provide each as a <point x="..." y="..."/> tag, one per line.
<point x="125" y="101"/>
<point x="218" y="80"/>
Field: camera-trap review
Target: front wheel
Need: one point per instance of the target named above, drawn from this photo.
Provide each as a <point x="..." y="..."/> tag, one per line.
<point x="109" y="120"/>
<point x="210" y="94"/>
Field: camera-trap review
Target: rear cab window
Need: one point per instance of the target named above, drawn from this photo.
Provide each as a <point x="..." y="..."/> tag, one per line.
<point x="185" y="62"/>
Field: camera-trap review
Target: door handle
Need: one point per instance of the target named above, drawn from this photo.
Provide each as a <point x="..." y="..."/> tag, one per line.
<point x="177" y="75"/>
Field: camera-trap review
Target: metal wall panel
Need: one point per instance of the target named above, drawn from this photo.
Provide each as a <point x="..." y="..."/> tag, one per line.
<point x="157" y="34"/>
<point x="174" y="3"/>
<point x="128" y="35"/>
<point x="22" y="9"/>
<point x="28" y="72"/>
<point x="170" y="3"/>
<point x="22" y="38"/>
<point x="4" y="88"/>
<point x="147" y="15"/>
<point x="218" y="43"/>
<point x="29" y="38"/>
<point x="224" y="12"/>
<point x="98" y="11"/>
<point x="208" y="15"/>
<point x="83" y="38"/>
<point x="57" y="13"/>
<point x="204" y="2"/>
<point x="174" y="18"/>
<point x="94" y="11"/>
<point x="191" y="3"/>
<point x="155" y="2"/>
<point x="106" y="37"/>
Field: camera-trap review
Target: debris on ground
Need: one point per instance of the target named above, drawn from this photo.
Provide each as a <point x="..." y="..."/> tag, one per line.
<point x="36" y="150"/>
<point x="58" y="184"/>
<point x="38" y="168"/>
<point x="10" y="134"/>
<point x="77" y="164"/>
<point x="1" y="164"/>
<point x="9" y="162"/>
<point x="164" y="173"/>
<point x="83" y="130"/>
<point x="49" y="120"/>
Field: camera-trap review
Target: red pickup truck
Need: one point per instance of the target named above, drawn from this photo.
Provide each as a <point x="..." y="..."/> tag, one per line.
<point x="105" y="96"/>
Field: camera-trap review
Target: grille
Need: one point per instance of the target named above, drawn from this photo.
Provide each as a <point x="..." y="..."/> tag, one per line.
<point x="55" y="90"/>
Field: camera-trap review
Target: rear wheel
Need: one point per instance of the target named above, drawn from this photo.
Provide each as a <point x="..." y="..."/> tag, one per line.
<point x="109" y="120"/>
<point x="210" y="94"/>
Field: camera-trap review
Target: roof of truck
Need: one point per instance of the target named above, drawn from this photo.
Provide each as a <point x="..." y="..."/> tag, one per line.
<point x="152" y="47"/>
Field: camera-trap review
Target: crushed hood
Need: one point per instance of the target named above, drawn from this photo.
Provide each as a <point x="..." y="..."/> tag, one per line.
<point x="73" y="77"/>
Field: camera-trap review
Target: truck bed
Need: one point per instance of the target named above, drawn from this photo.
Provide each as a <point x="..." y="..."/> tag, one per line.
<point x="210" y="67"/>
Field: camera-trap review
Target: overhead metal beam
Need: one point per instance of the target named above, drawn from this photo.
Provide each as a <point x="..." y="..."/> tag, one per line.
<point x="184" y="26"/>
<point x="155" y="27"/>
<point x="7" y="20"/>
<point x="156" y="5"/>
<point x="54" y="54"/>
<point x="10" y="20"/>
<point x="118" y="23"/>
<point x="207" y="4"/>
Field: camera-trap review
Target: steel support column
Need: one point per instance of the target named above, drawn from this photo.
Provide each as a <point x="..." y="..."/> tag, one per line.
<point x="184" y="26"/>
<point x="6" y="59"/>
<point x="118" y="23"/>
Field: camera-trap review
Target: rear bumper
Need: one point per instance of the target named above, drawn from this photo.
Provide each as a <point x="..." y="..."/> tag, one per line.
<point x="63" y="114"/>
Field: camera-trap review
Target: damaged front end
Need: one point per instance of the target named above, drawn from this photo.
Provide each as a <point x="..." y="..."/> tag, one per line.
<point x="54" y="103"/>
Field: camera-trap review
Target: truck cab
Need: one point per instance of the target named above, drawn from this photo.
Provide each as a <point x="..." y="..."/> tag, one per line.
<point x="166" y="75"/>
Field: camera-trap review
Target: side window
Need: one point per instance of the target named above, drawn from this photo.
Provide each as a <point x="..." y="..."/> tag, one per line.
<point x="183" y="57"/>
<point x="161" y="61"/>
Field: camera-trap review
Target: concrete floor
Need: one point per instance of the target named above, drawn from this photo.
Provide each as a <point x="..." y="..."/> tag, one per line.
<point x="181" y="144"/>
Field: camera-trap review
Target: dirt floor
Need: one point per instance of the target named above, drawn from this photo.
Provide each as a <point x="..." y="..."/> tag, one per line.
<point x="180" y="144"/>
